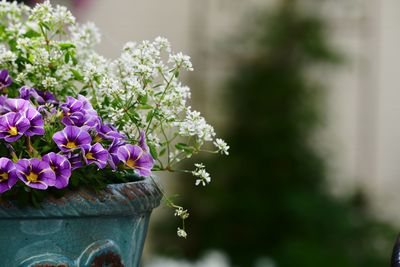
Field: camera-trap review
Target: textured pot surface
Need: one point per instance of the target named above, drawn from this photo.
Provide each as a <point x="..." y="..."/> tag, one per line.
<point x="81" y="229"/>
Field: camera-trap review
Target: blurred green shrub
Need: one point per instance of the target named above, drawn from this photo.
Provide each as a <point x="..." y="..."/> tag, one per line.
<point x="268" y="198"/>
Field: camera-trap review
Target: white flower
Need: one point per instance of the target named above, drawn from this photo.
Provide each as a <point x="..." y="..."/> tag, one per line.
<point x="199" y="165"/>
<point x="49" y="82"/>
<point x="222" y="146"/>
<point x="180" y="212"/>
<point x="203" y="176"/>
<point x="195" y="125"/>
<point x="181" y="60"/>
<point x="181" y="233"/>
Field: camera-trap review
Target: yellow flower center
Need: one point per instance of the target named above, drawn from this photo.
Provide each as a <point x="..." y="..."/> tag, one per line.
<point x="3" y="176"/>
<point x="97" y="138"/>
<point x="90" y="156"/>
<point x="71" y="145"/>
<point x="131" y="163"/>
<point x="32" y="177"/>
<point x="13" y="131"/>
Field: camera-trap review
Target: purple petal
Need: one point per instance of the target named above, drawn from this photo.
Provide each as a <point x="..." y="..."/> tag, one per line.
<point x="61" y="167"/>
<point x="142" y="141"/>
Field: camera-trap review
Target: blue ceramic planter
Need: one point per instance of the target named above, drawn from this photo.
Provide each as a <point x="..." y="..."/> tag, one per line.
<point x="81" y="229"/>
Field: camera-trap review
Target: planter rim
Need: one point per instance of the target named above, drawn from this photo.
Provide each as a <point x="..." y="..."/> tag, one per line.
<point x="122" y="199"/>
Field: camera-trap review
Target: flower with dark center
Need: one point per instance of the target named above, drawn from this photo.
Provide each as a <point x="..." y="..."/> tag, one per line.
<point x="134" y="157"/>
<point x="61" y="167"/>
<point x="35" y="173"/>
<point x="72" y="105"/>
<point x="13" y="126"/>
<point x="36" y="122"/>
<point x="79" y="119"/>
<point x="16" y="105"/>
<point x="8" y="174"/>
<point x="95" y="154"/>
<point x="5" y="79"/>
<point x="71" y="137"/>
<point x="76" y="161"/>
<point x="41" y="97"/>
<point x="108" y="132"/>
<point x="113" y="159"/>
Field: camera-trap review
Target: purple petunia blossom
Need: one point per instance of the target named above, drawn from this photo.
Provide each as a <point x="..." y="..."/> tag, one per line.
<point x="35" y="173"/>
<point x="72" y="105"/>
<point x="76" y="161"/>
<point x="25" y="92"/>
<point x="134" y="157"/>
<point x="8" y="174"/>
<point x="87" y="107"/>
<point x="142" y="142"/>
<point x="61" y="167"/>
<point x="36" y="122"/>
<point x="5" y="79"/>
<point x="13" y="126"/>
<point x="41" y="97"/>
<point x="80" y="119"/>
<point x="79" y="112"/>
<point x="113" y="159"/>
<point x="108" y="132"/>
<point x="95" y="154"/>
<point x="70" y="138"/>
<point x="16" y="105"/>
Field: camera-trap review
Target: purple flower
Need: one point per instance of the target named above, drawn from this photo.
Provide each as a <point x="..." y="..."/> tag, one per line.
<point x="8" y="174"/>
<point x="113" y="160"/>
<point x="108" y="132"/>
<point x="61" y="167"/>
<point x="95" y="154"/>
<point x="72" y="105"/>
<point x="35" y="173"/>
<point x="136" y="158"/>
<point x="76" y="161"/>
<point x="80" y="119"/>
<point x="142" y="141"/>
<point x="25" y="92"/>
<point x="12" y="126"/>
<point x="79" y="112"/>
<point x="87" y="107"/>
<point x="36" y="122"/>
<point x="16" y="105"/>
<point x="71" y="137"/>
<point x="5" y="79"/>
<point x="41" y="97"/>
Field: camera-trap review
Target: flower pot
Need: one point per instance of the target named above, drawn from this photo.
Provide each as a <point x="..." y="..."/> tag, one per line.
<point x="81" y="229"/>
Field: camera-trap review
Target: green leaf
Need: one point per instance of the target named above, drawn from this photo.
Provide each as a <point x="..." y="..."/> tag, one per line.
<point x="153" y="151"/>
<point x="181" y="146"/>
<point x="162" y="152"/>
<point x="65" y="46"/>
<point x="145" y="107"/>
<point x="149" y="116"/>
<point x="77" y="75"/>
<point x="143" y="100"/>
<point x="67" y="57"/>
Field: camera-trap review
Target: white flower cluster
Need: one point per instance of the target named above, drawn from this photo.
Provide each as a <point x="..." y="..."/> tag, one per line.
<point x="181" y="233"/>
<point x="195" y="125"/>
<point x="180" y="212"/>
<point x="222" y="146"/>
<point x="202" y="175"/>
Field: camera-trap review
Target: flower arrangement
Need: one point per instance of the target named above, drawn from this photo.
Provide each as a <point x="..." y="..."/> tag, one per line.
<point x="70" y="117"/>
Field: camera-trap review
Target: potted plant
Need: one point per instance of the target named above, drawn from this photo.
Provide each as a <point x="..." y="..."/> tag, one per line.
<point x="81" y="136"/>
